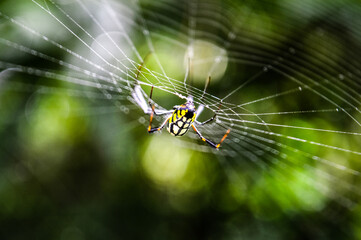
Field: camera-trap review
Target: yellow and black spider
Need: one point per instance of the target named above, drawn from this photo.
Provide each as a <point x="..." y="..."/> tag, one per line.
<point x="182" y="117"/>
<point x="179" y="119"/>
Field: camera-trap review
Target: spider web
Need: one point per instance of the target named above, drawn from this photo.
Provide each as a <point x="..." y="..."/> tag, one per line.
<point x="289" y="92"/>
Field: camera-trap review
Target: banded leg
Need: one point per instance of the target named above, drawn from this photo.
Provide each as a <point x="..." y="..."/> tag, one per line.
<point x="138" y="73"/>
<point x="206" y="86"/>
<point x="207" y="121"/>
<point x="150" y="97"/>
<point x="208" y="141"/>
<point x="141" y="66"/>
<point x="152" y="130"/>
<point x="152" y="106"/>
<point x="211" y="119"/>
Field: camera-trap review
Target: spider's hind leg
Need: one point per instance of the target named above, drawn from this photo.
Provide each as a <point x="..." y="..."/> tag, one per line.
<point x="212" y="144"/>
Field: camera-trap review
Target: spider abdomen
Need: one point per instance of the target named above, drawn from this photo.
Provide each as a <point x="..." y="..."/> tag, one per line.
<point x="181" y="120"/>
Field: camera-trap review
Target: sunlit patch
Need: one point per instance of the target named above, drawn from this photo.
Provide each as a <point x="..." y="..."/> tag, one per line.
<point x="173" y="168"/>
<point x="164" y="163"/>
<point x="170" y="54"/>
<point x="206" y="59"/>
<point x="111" y="47"/>
<point x="179" y="172"/>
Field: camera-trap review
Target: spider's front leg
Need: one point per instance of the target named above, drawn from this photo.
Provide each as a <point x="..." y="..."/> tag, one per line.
<point x="207" y="121"/>
<point x="139" y="69"/>
<point x="200" y="109"/>
<point x="137" y="92"/>
<point x="150" y="98"/>
<point x="139" y="98"/>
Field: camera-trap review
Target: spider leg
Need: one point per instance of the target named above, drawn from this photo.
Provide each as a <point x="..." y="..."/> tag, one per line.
<point x="151" y="130"/>
<point x="139" y="70"/>
<point x="209" y="120"/>
<point x="138" y="95"/>
<point x="163" y="112"/>
<point x="208" y="141"/>
<point x="158" y="112"/>
<point x="150" y="96"/>
<point x="206" y="86"/>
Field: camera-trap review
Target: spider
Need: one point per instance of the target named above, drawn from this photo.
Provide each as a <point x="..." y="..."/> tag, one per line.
<point x="179" y="120"/>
